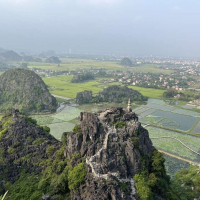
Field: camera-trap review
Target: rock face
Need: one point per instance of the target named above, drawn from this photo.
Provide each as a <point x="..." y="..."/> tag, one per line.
<point x="22" y="144"/>
<point x="25" y="90"/>
<point x="84" y="97"/>
<point x="113" y="156"/>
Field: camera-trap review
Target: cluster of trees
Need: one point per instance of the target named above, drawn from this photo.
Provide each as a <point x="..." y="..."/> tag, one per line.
<point x="187" y="183"/>
<point x="171" y="93"/>
<point x="118" y="94"/>
<point x="154" y="182"/>
<point x="82" y="77"/>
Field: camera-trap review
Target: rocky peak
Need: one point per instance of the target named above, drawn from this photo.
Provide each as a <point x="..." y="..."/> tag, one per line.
<point x="113" y="143"/>
<point x="84" y="97"/>
<point x="103" y="158"/>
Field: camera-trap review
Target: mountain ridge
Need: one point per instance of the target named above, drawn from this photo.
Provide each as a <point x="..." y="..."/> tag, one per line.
<point x="109" y="155"/>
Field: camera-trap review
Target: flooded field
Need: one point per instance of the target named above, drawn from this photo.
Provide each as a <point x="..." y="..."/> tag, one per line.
<point x="163" y="114"/>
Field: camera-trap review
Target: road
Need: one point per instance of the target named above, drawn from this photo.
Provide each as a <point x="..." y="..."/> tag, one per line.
<point x="65" y="98"/>
<point x="179" y="158"/>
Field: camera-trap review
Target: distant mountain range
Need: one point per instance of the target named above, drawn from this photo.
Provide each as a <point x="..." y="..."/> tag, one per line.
<point x="10" y="55"/>
<point x="2" y="50"/>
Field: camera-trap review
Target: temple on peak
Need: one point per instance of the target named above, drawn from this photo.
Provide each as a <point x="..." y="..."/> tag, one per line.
<point x="129" y="106"/>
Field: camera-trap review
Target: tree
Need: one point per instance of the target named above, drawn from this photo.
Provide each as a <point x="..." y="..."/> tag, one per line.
<point x="170" y="93"/>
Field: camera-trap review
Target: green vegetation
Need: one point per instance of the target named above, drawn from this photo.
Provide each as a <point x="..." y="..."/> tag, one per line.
<point x="173" y="146"/>
<point x="38" y="141"/>
<point x="11" y="150"/>
<point x="120" y="124"/>
<point x="123" y="187"/>
<point x="74" y="64"/>
<point x="170" y="93"/>
<point x="62" y="86"/>
<point x="24" y="90"/>
<point x="77" y="129"/>
<point x="149" y="92"/>
<point x="79" y="78"/>
<point x="186" y="183"/>
<point x="4" y="196"/>
<point x="26" y="187"/>
<point x="134" y="141"/>
<point x="30" y="120"/>
<point x="50" y="150"/>
<point x="77" y="176"/>
<point x="118" y="94"/>
<point x="4" y="125"/>
<point x="155" y="181"/>
<point x="46" y="129"/>
<point x="55" y="175"/>
<point x="54" y="178"/>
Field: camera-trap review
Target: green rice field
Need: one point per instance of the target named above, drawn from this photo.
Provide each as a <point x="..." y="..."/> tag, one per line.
<point x="173" y="146"/>
<point x="61" y="85"/>
<point x="74" y="64"/>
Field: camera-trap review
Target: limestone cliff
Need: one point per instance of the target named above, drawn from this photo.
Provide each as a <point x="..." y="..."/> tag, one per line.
<point x="114" y="144"/>
<point x="84" y="97"/>
<point x="24" y="90"/>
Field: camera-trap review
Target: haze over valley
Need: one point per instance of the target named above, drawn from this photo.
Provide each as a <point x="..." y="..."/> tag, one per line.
<point x="99" y="100"/>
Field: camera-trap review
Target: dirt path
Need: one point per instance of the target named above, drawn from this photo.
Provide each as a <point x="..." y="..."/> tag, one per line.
<point x="61" y="97"/>
<point x="173" y="138"/>
<point x="91" y="161"/>
<point x="179" y="158"/>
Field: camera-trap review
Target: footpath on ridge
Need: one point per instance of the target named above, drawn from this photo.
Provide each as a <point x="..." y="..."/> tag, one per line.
<point x="91" y="161"/>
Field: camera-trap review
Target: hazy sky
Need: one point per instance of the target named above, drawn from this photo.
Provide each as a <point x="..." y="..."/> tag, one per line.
<point x="137" y="27"/>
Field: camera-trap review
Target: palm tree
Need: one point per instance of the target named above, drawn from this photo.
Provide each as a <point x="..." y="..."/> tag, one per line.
<point x="4" y="196"/>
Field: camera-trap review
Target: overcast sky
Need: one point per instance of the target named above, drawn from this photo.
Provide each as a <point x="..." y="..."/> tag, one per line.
<point x="137" y="27"/>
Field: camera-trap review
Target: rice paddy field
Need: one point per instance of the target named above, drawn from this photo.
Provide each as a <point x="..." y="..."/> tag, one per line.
<point x="60" y="122"/>
<point x="167" y="120"/>
<point x="61" y="85"/>
<point x="74" y="64"/>
<point x="174" y="147"/>
<point x="161" y="114"/>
